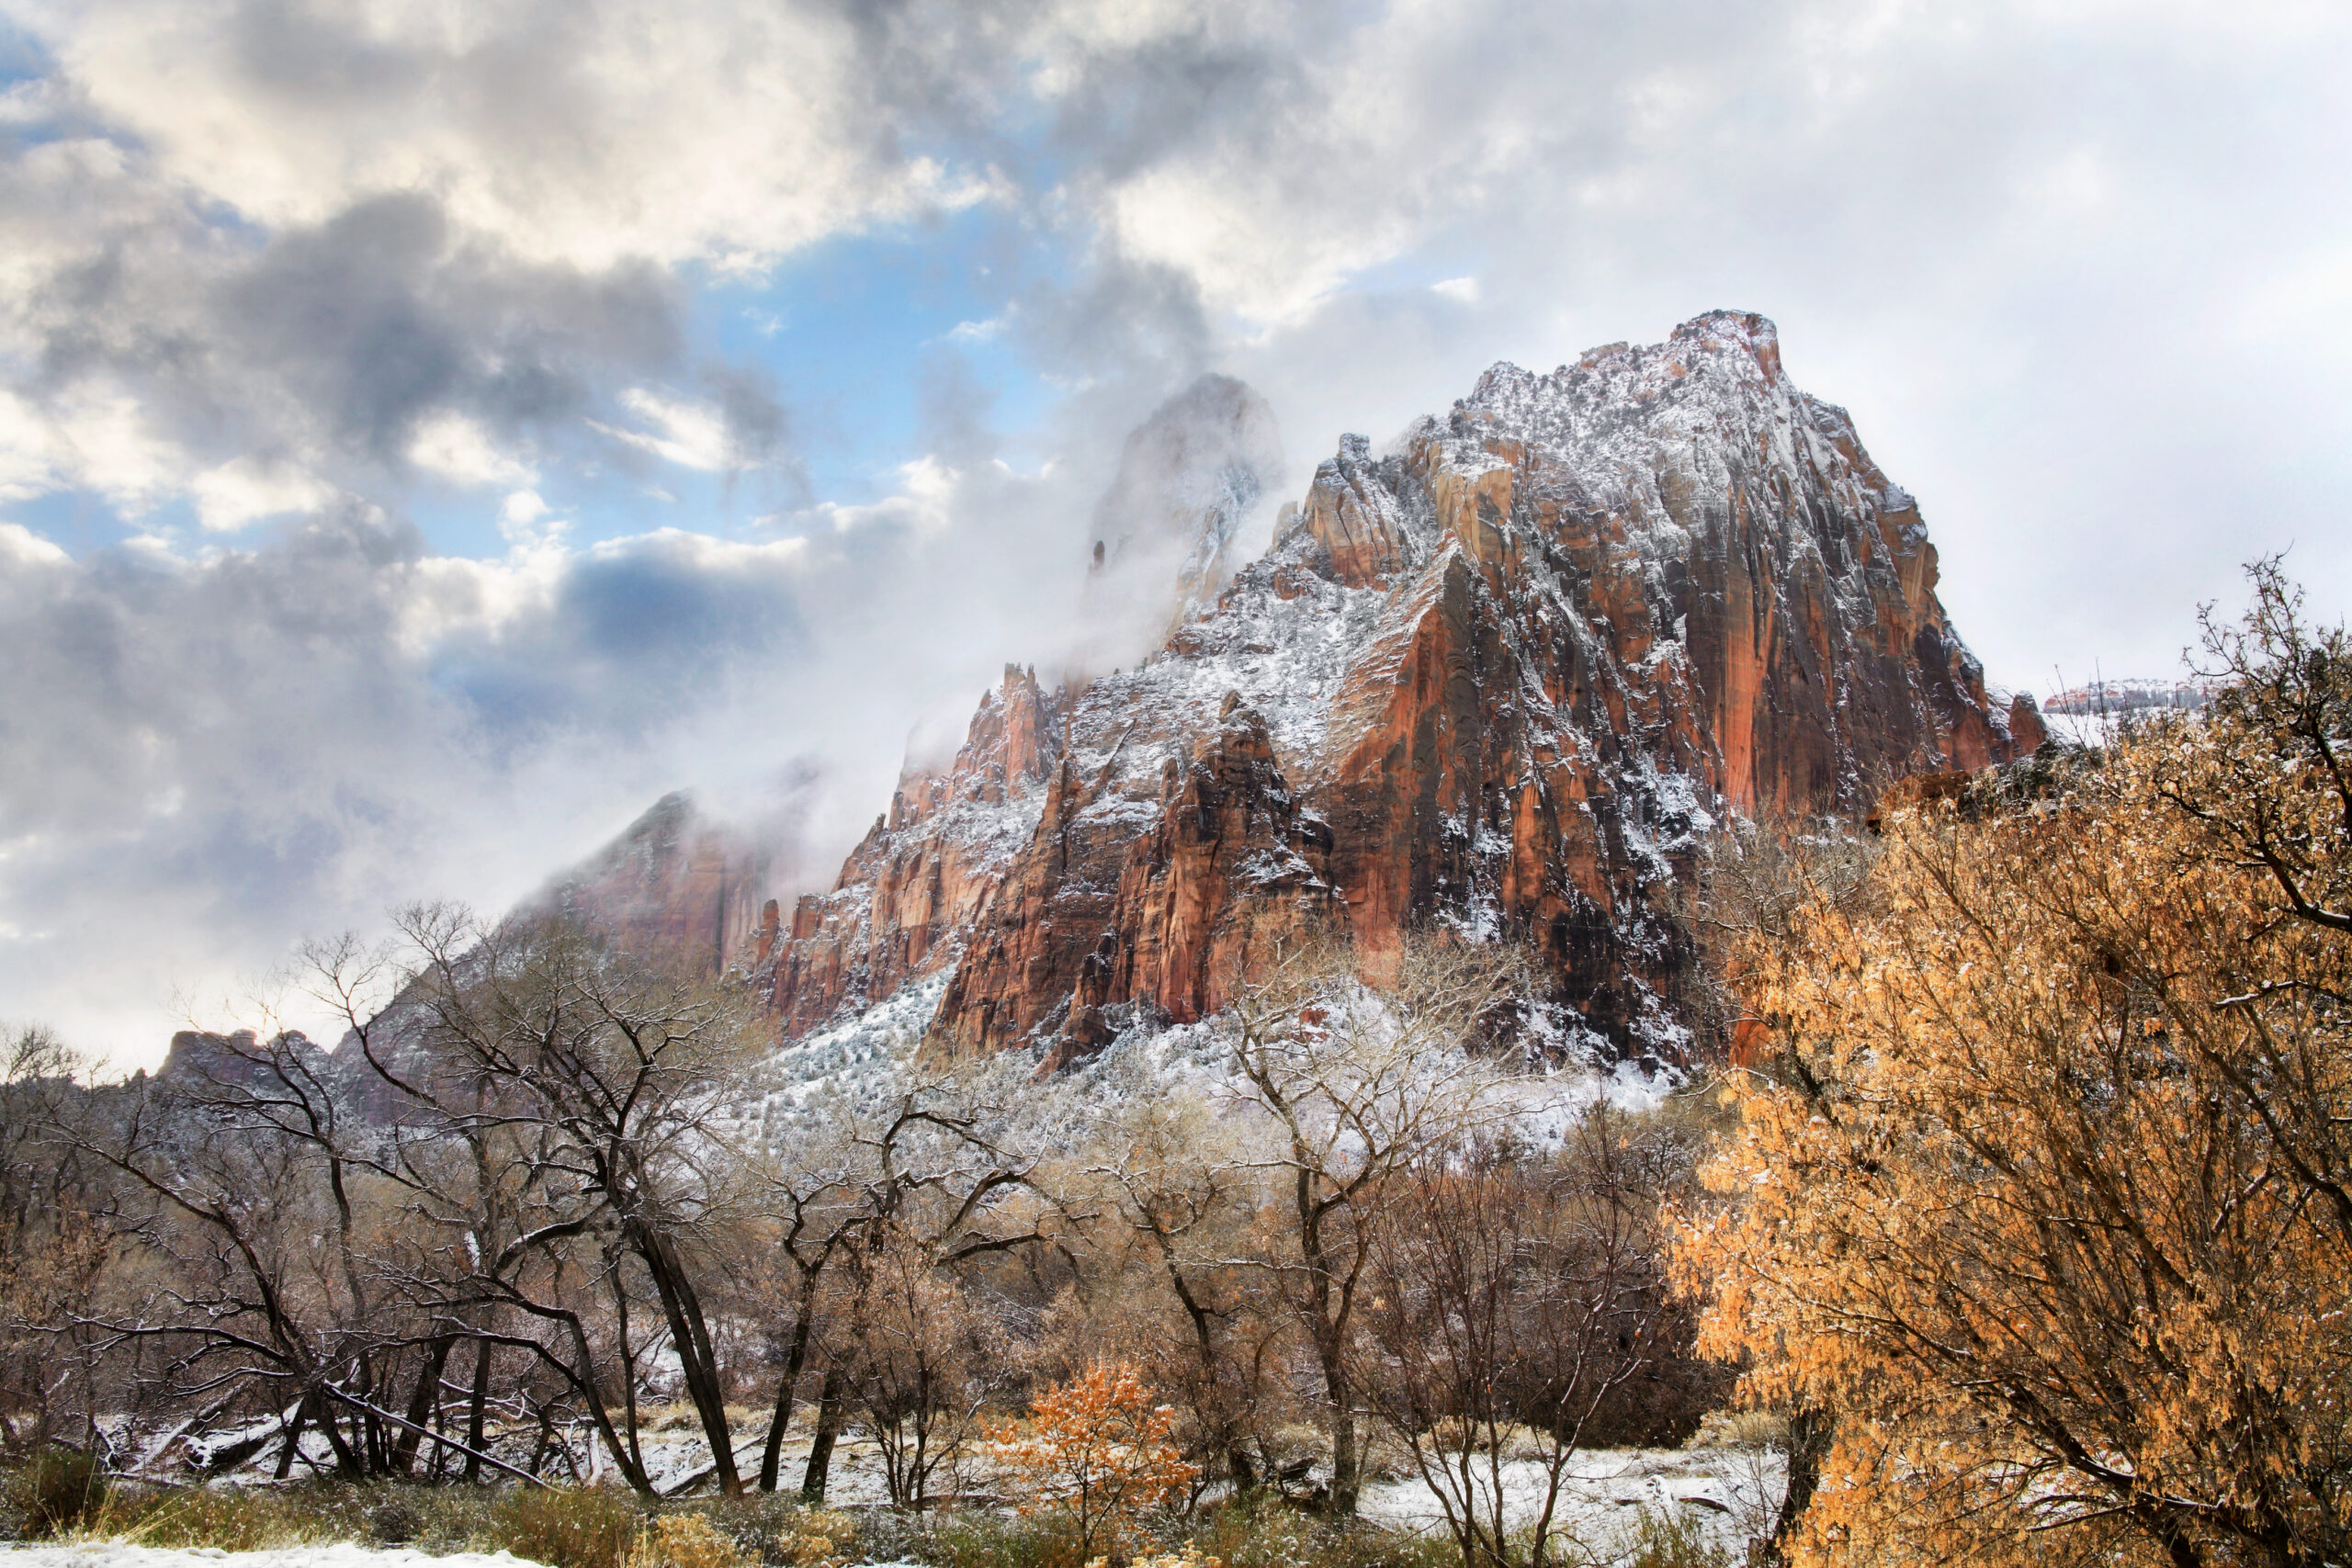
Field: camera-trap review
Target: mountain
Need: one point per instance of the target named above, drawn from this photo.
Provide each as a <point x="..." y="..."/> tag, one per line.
<point x="676" y="884"/>
<point x="1500" y="676"/>
<point x="1166" y="532"/>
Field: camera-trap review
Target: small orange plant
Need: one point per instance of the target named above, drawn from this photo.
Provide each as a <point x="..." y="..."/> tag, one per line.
<point x="1096" y="1448"/>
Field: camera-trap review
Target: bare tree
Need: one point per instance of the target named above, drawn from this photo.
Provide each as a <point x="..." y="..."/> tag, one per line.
<point x="607" y="1085"/>
<point x="929" y="1170"/>
<point x="1357" y="1086"/>
<point x="1183" y="1188"/>
<point x="1513" y="1297"/>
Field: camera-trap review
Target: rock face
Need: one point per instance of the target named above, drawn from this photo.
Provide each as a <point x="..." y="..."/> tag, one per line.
<point x="675" y="886"/>
<point x="1166" y="532"/>
<point x="915" y="884"/>
<point x="1500" y="677"/>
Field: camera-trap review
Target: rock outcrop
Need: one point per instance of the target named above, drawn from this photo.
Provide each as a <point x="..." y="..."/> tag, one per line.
<point x="676" y="886"/>
<point x="1498" y="677"/>
<point x="1166" y="534"/>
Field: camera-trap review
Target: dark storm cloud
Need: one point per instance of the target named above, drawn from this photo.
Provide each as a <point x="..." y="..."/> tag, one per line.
<point x="339" y="337"/>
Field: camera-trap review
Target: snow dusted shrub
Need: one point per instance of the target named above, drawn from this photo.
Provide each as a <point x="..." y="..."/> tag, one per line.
<point x="59" y="1490"/>
<point x="1186" y="1556"/>
<point x="821" y="1537"/>
<point x="1096" y="1450"/>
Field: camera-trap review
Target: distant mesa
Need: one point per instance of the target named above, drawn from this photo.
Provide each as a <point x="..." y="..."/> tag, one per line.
<point x="2110" y="698"/>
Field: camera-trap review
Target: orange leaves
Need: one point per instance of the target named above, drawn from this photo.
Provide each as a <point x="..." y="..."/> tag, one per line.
<point x="2034" y="1187"/>
<point x="1097" y="1447"/>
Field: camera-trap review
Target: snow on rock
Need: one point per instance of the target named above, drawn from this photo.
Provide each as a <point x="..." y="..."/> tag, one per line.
<point x="1504" y="676"/>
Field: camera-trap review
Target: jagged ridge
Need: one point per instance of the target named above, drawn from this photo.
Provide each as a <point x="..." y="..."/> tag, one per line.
<point x="1500" y="677"/>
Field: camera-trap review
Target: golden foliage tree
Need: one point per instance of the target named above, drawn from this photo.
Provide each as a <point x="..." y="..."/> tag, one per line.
<point x="1097" y="1448"/>
<point x="2045" y="1186"/>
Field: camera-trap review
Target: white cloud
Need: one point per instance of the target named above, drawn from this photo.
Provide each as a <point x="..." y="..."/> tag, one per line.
<point x="689" y="433"/>
<point x="458" y="449"/>
<point x="1463" y="290"/>
<point x="248" y="489"/>
<point x="703" y="132"/>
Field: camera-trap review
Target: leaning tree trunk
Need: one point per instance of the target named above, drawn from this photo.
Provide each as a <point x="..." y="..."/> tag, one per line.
<point x="829" y="1426"/>
<point x="696" y="1359"/>
<point x="795" y="1361"/>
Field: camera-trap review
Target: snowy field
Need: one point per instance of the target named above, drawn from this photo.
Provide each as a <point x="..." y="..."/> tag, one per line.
<point x="1729" y="1492"/>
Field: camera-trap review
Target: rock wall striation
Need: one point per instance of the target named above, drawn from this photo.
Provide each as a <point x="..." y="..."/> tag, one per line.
<point x="1499" y="676"/>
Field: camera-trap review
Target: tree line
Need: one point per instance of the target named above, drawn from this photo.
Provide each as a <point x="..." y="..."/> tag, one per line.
<point x="2022" y="1191"/>
<point x="549" y="1185"/>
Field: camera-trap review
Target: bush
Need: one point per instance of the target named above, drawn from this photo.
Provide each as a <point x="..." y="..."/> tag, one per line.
<point x="1269" y="1533"/>
<point x="1097" y="1449"/>
<point x="685" y="1541"/>
<point x="1664" y="1538"/>
<point x="61" y="1490"/>
<point x="567" y="1527"/>
<point x="990" y="1541"/>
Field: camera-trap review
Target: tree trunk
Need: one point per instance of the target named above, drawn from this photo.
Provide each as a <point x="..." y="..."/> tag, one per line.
<point x="1345" y="1462"/>
<point x="795" y="1362"/>
<point x="421" y="1405"/>
<point x="821" y="1447"/>
<point x="293" y="1438"/>
<point x="1809" y="1433"/>
<point x="474" y="1412"/>
<point x="696" y="1359"/>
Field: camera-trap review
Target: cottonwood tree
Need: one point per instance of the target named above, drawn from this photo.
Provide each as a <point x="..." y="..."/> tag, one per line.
<point x="2052" y="1218"/>
<point x="1514" y="1297"/>
<point x="56" y="1251"/>
<point x="1357" y="1086"/>
<point x="931" y="1182"/>
<point x="257" y="1177"/>
<point x="607" y="1085"/>
<point x="1184" y="1190"/>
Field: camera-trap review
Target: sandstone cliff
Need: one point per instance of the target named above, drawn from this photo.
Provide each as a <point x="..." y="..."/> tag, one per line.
<point x="677" y="885"/>
<point x="1498" y="676"/>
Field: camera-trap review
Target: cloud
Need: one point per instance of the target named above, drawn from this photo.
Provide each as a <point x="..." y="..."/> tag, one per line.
<point x="691" y="435"/>
<point x="458" y="449"/>
<point x="331" y="277"/>
<point x="246" y="489"/>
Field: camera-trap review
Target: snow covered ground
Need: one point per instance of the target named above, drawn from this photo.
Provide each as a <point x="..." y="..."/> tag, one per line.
<point x="1731" y="1492"/>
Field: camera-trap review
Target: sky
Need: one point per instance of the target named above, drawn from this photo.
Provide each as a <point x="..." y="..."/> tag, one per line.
<point x="432" y="429"/>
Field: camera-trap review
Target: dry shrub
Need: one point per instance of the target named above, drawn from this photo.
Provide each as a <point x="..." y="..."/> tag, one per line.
<point x="1670" y="1538"/>
<point x="1186" y="1556"/>
<point x="1097" y="1449"/>
<point x="233" y="1519"/>
<point x="990" y="1541"/>
<point x="685" y="1541"/>
<point x="59" y="1492"/>
<point x="822" y="1538"/>
<point x="567" y="1527"/>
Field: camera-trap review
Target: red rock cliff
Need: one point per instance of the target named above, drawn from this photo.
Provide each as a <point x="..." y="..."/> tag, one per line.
<point x="1500" y="677"/>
